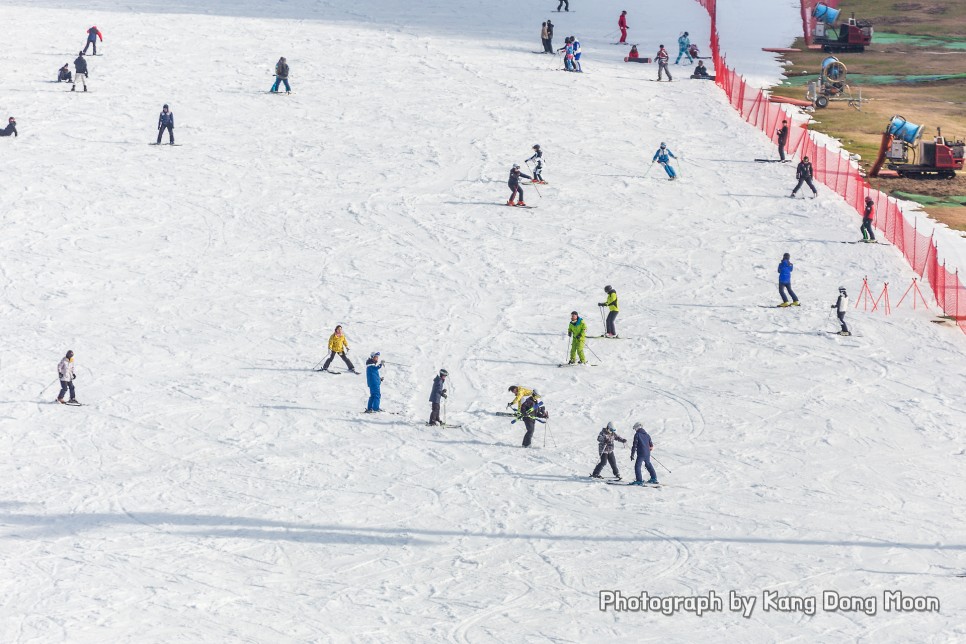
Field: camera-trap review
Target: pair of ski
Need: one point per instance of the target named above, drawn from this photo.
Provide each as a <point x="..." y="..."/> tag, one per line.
<point x="576" y="364"/>
<point x="336" y="373"/>
<point x="609" y="337"/>
<point x="518" y="206"/>
<point x="863" y="241"/>
<point x="444" y="425"/>
<point x="616" y="482"/>
<point x="70" y="404"/>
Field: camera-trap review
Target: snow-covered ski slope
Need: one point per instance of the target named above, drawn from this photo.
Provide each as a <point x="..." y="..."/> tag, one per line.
<point x="214" y="489"/>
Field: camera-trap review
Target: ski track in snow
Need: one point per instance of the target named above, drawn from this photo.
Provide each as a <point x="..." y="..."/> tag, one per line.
<point x="215" y="488"/>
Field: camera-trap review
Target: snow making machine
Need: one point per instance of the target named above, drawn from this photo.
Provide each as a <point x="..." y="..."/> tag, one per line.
<point x="832" y="85"/>
<point x="852" y="36"/>
<point x="909" y="155"/>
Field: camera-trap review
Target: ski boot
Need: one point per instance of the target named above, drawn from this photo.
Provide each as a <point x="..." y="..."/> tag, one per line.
<point x="796" y="303"/>
<point x="784" y="304"/>
<point x="571" y="362"/>
<point x="636" y="483"/>
<point x="845" y="333"/>
<point x="511" y="203"/>
<point x="652" y="481"/>
<point x="521" y="204"/>
<point x="617" y="477"/>
<point x="596" y="476"/>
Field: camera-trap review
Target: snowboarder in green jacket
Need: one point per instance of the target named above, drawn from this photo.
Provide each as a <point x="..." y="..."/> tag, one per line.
<point x="578" y="334"/>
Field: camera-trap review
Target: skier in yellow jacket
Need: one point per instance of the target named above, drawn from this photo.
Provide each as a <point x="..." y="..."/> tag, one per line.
<point x="611" y="304"/>
<point x="520" y="393"/>
<point x="338" y="345"/>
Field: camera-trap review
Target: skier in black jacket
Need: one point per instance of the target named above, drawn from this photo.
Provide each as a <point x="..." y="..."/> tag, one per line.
<point x="530" y="411"/>
<point x="11" y="128"/>
<point x="166" y="122"/>
<point x="514" y="184"/>
<point x="782" y="140"/>
<point x="63" y="74"/>
<point x="80" y="71"/>
<point x="804" y="175"/>
<point x="436" y="397"/>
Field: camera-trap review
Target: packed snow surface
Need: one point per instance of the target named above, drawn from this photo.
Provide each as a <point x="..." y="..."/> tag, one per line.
<point x="213" y="488"/>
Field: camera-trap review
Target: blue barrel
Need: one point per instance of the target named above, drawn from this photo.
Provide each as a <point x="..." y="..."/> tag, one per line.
<point x="826" y="14"/>
<point x="903" y="129"/>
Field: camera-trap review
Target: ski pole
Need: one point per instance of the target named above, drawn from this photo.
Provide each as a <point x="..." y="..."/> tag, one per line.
<point x="594" y="354"/>
<point x="649" y="170"/>
<point x="317" y="364"/>
<point x="660" y="463"/>
<point x="47" y="387"/>
<point x="546" y="427"/>
<point x="444" y="412"/>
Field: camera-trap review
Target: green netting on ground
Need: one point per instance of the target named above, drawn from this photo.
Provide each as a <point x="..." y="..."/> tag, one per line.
<point x="926" y="200"/>
<point x="947" y="42"/>
<point x="879" y="79"/>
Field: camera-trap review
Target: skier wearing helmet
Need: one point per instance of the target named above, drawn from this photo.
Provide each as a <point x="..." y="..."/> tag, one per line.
<point x="611" y="304"/>
<point x="538" y="168"/>
<point x="841" y="306"/>
<point x="664" y="156"/>
<point x="436" y="397"/>
<point x="605" y="448"/>
<point x="530" y="411"/>
<point x="641" y="455"/>
<point x="514" y="184"/>
<point x="577" y="331"/>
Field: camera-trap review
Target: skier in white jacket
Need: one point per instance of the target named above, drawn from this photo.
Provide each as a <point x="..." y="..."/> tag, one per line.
<point x="842" y="305"/>
<point x="65" y="371"/>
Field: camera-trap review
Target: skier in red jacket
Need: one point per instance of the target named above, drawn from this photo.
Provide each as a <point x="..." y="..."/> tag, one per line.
<point x="622" y="24"/>
<point x="92" y="35"/>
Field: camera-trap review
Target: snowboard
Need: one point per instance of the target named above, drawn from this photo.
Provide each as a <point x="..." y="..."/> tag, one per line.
<point x="637" y="60"/>
<point x="768" y="160"/>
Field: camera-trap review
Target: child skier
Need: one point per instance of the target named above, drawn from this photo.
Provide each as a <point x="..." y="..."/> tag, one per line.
<point x="166" y="122"/>
<point x="80" y="71"/>
<point x="92" y="35"/>
<point x="605" y="449"/>
<point x="374" y="381"/>
<point x="868" y="216"/>
<point x="661" y="58"/>
<point x="519" y="394"/>
<point x="664" y="156"/>
<point x="684" y="49"/>
<point x="338" y="346"/>
<point x="641" y="455"/>
<point x="804" y="174"/>
<point x="65" y="371"/>
<point x="436" y="397"/>
<point x="530" y="411"/>
<point x="785" y="269"/>
<point x="842" y="306"/>
<point x="537" y="158"/>
<point x="281" y="76"/>
<point x="577" y="331"/>
<point x="514" y="184"/>
<point x="611" y="304"/>
<point x="568" y="50"/>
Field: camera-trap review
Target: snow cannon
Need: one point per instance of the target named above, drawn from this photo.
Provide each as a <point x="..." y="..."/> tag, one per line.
<point x="834" y="70"/>
<point x="832" y="86"/>
<point x="910" y="156"/>
<point x="853" y="35"/>
<point x="826" y="14"/>
<point x="902" y="129"/>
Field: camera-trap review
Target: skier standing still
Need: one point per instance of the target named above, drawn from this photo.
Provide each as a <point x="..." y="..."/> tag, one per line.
<point x="374" y="381"/>
<point x="338" y="346"/>
<point x="868" y="216"/>
<point x="530" y="411"/>
<point x="166" y="122"/>
<point x="65" y="371"/>
<point x="514" y="184"/>
<point x="782" y="140"/>
<point x="842" y="306"/>
<point x="641" y="455"/>
<point x="281" y="76"/>
<point x="436" y="397"/>
<point x="622" y="25"/>
<point x="80" y="72"/>
<point x="785" y="269"/>
<point x="664" y="156"/>
<point x="605" y="449"/>
<point x="661" y="57"/>
<point x="577" y="331"/>
<point x="611" y="304"/>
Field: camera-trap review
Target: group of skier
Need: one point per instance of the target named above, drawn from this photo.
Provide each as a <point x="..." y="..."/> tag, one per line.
<point x="785" y="268"/>
<point x="641" y="447"/>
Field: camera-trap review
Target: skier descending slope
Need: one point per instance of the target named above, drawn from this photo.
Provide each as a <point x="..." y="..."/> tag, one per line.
<point x="664" y="156"/>
<point x="530" y="411"/>
<point x="514" y="184"/>
<point x="842" y="305"/>
<point x="622" y="25"/>
<point x="641" y="454"/>
<point x="92" y="35"/>
<point x="577" y="331"/>
<point x="339" y="346"/>
<point x="436" y="397"/>
<point x="804" y="174"/>
<point x="538" y="168"/>
<point x="374" y="381"/>
<point x="605" y="449"/>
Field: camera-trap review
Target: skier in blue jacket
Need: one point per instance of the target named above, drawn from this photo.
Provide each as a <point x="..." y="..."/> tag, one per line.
<point x="166" y="122"/>
<point x="641" y="453"/>
<point x="436" y="397"/>
<point x="785" y="269"/>
<point x="374" y="380"/>
<point x="684" y="44"/>
<point x="664" y="156"/>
